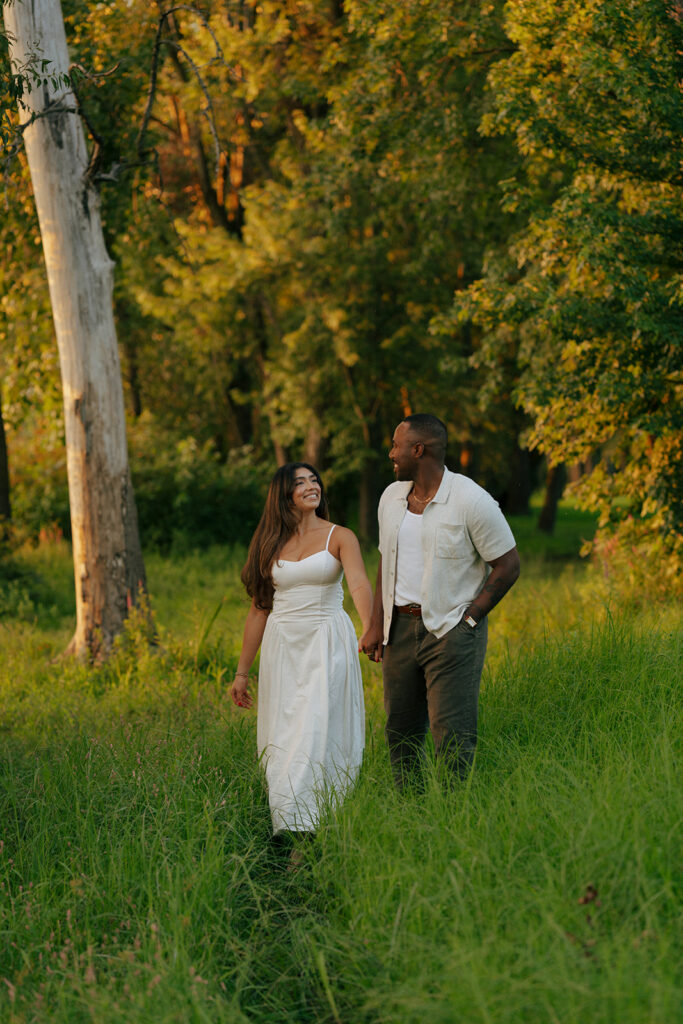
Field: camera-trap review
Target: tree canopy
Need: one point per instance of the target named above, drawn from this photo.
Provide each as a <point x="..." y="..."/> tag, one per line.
<point x="585" y="301"/>
<point x="324" y="215"/>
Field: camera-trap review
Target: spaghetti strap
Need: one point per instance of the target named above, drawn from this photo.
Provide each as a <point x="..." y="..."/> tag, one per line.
<point x="327" y="545"/>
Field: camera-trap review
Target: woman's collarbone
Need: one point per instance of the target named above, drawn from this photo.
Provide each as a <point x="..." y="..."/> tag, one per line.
<point x="304" y="548"/>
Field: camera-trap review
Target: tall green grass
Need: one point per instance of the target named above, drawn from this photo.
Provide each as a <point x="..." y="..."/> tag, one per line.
<point x="138" y="882"/>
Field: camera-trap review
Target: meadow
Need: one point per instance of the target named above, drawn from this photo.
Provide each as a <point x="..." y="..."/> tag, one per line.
<point x="138" y="882"/>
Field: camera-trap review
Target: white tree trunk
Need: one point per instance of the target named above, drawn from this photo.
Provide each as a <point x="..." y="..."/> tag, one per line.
<point x="108" y="563"/>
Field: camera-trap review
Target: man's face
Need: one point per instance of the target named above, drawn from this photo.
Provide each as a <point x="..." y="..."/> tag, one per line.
<point x="402" y="453"/>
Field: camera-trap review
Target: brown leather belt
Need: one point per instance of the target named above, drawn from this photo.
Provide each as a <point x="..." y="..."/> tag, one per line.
<point x="409" y="609"/>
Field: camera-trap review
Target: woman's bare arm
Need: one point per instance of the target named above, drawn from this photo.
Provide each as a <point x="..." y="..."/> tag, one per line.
<point x="254" y="628"/>
<point x="356" y="577"/>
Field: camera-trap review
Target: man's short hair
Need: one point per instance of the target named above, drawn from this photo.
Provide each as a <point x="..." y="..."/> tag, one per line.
<point x="431" y="431"/>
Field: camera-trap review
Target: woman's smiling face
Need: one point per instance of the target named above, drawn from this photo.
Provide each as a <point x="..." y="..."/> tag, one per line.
<point x="307" y="492"/>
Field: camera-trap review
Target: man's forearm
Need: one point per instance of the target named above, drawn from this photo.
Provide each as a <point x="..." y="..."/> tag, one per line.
<point x="505" y="573"/>
<point x="377" y="618"/>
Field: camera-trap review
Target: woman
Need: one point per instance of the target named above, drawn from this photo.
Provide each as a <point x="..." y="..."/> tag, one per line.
<point x="311" y="719"/>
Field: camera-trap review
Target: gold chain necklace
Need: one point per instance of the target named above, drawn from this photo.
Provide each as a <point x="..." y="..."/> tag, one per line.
<point x="421" y="501"/>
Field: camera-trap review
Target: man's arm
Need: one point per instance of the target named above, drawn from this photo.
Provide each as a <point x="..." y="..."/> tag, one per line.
<point x="505" y="573"/>
<point x="372" y="640"/>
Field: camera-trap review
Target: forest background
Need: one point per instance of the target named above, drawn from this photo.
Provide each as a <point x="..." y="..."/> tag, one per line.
<point x="341" y="212"/>
<point x="324" y="215"/>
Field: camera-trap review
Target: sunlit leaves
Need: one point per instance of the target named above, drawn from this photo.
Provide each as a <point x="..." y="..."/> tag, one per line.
<point x="589" y="293"/>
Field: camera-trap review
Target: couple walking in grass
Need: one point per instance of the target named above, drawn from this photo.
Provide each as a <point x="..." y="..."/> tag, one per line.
<point x="447" y="556"/>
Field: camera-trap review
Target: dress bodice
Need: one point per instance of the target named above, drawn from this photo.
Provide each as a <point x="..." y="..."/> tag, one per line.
<point x="311" y="586"/>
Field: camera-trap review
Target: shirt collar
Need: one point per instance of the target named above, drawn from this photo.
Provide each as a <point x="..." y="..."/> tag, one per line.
<point x="444" y="487"/>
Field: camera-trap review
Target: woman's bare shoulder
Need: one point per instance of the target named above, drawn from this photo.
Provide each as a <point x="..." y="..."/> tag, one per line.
<point x="342" y="535"/>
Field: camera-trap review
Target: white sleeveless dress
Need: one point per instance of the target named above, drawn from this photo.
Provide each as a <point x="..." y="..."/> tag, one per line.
<point x="311" y="716"/>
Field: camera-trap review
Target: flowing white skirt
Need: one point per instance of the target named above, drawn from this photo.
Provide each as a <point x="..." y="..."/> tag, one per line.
<point x="311" y="718"/>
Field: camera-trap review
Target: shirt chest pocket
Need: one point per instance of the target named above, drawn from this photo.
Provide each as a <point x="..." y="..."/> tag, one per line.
<point x="452" y="542"/>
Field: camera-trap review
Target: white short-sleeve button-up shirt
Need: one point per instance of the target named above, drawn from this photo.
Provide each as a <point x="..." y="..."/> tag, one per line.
<point x="463" y="528"/>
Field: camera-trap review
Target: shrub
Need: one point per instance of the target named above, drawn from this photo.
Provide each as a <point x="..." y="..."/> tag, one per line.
<point x="185" y="496"/>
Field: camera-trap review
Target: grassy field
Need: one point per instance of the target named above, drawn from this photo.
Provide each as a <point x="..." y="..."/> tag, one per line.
<point x="138" y="883"/>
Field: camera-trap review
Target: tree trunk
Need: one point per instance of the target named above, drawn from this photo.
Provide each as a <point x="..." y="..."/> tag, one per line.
<point x="518" y="495"/>
<point x="314" y="448"/>
<point x="5" y="505"/>
<point x="281" y="456"/>
<point x="554" y="486"/>
<point x="369" y="491"/>
<point x="109" y="569"/>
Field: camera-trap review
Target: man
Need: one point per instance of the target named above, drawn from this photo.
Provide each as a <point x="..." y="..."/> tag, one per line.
<point x="447" y="557"/>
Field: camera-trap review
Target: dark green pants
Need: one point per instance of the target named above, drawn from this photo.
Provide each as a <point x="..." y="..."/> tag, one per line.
<point x="432" y="684"/>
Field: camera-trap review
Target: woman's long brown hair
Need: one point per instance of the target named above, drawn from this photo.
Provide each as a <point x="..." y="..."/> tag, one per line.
<point x="278" y="522"/>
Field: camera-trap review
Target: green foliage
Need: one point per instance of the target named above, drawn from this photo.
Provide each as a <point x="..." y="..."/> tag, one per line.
<point x="36" y="590"/>
<point x="573" y="529"/>
<point x="349" y="134"/>
<point x="186" y="496"/>
<point x="40" y="495"/>
<point x="17" y="81"/>
<point x="15" y="599"/>
<point x="392" y="181"/>
<point x="313" y="184"/>
<point x="585" y="302"/>
<point x="321" y="192"/>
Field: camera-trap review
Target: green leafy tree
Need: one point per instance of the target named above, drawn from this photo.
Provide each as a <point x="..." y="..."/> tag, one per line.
<point x="365" y="198"/>
<point x="293" y="192"/>
<point x="585" y="301"/>
<point x="394" y="216"/>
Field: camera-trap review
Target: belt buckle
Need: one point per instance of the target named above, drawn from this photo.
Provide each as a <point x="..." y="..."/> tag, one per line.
<point x="415" y="610"/>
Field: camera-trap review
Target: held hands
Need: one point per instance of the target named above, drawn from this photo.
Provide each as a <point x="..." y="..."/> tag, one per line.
<point x="239" y="691"/>
<point x="371" y="643"/>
